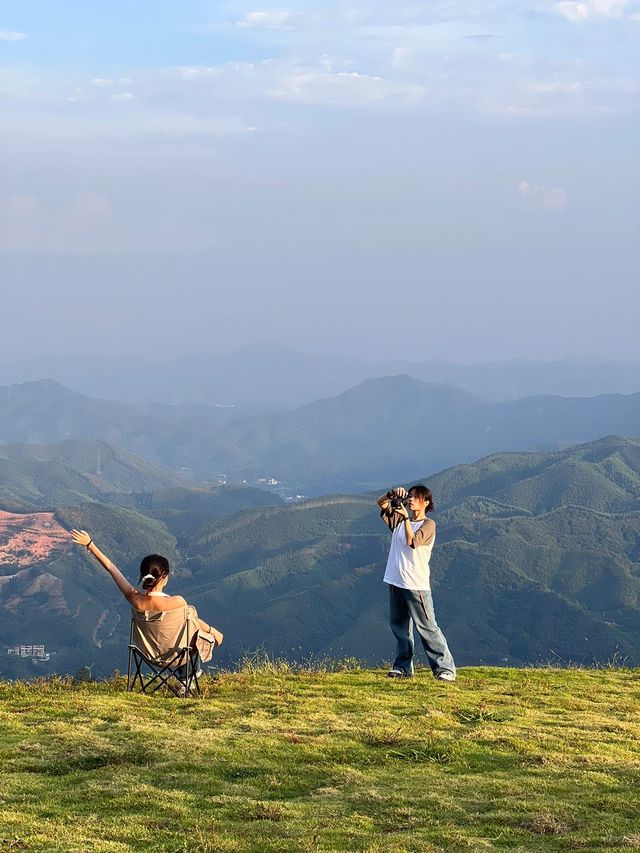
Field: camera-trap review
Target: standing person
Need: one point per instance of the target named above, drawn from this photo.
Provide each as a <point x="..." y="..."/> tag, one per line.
<point x="408" y="577"/>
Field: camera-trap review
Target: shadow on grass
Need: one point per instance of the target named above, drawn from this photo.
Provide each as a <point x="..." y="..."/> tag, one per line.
<point x="70" y="761"/>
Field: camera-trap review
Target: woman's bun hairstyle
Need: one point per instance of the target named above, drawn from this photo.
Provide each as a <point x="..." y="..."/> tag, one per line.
<point x="153" y="568"/>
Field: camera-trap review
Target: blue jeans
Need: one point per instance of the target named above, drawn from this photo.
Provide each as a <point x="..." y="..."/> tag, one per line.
<point x="409" y="608"/>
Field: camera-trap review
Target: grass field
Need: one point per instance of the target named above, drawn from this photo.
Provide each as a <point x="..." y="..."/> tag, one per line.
<point x="275" y="760"/>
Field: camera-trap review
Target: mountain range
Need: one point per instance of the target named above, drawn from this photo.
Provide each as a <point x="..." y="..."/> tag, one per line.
<point x="382" y="429"/>
<point x="268" y="376"/>
<point x="537" y="558"/>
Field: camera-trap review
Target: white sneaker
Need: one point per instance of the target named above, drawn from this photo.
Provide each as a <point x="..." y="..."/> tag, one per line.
<point x="446" y="676"/>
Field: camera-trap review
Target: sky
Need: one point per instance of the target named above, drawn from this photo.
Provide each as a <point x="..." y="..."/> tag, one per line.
<point x="454" y="179"/>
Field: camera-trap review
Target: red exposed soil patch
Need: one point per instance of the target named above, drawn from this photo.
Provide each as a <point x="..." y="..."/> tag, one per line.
<point x="29" y="538"/>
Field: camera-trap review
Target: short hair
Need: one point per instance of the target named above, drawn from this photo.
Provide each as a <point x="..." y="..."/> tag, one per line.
<point x="153" y="568"/>
<point x="421" y="491"/>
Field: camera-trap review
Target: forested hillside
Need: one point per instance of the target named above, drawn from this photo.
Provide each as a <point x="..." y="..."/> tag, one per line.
<point x="51" y="594"/>
<point x="537" y="558"/>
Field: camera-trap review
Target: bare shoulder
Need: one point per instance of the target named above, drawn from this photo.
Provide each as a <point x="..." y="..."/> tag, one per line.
<point x="168" y="602"/>
<point x="142" y="601"/>
<point x="136" y="599"/>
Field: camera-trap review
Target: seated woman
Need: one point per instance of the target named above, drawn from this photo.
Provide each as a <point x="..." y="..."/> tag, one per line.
<point x="154" y="575"/>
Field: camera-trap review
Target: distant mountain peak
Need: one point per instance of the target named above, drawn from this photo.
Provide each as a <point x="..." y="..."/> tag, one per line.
<point x="403" y="382"/>
<point x="39" y="388"/>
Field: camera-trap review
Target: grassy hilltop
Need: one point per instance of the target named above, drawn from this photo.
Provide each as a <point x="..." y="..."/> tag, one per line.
<point x="276" y="760"/>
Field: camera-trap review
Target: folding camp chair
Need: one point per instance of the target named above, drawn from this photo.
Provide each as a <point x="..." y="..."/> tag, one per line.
<point x="163" y="651"/>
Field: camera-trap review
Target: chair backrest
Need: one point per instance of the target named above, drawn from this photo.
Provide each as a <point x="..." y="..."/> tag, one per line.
<point x="160" y="634"/>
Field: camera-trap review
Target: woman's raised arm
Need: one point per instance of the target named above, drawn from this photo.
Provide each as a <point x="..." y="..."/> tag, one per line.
<point x="81" y="537"/>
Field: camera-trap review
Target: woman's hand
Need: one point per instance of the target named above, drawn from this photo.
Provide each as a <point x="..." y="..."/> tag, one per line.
<point x="402" y="510"/>
<point x="81" y="537"/>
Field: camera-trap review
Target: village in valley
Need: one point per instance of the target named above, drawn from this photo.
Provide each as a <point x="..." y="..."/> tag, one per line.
<point x="35" y="651"/>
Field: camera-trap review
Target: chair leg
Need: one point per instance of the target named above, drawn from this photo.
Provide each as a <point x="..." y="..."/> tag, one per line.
<point x="194" y="667"/>
<point x="162" y="675"/>
<point x="138" y="675"/>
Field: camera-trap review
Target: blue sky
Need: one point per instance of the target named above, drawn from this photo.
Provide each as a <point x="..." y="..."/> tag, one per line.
<point x="314" y="168"/>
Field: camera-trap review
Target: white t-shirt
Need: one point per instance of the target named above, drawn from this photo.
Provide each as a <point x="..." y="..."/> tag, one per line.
<point x="408" y="567"/>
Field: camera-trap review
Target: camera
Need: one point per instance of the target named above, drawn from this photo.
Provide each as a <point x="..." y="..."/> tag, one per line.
<point x="395" y="500"/>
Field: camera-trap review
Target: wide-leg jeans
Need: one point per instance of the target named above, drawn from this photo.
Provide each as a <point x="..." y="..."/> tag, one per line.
<point x="409" y="608"/>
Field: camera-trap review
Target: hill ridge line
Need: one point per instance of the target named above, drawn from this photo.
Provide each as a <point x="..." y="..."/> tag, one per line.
<point x="265" y="512"/>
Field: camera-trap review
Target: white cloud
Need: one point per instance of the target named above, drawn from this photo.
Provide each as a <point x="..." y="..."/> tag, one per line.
<point x="328" y="80"/>
<point x="381" y="16"/>
<point x="482" y="38"/>
<point x="530" y="87"/>
<point x="385" y="20"/>
<point x="549" y="198"/>
<point x="440" y="75"/>
<point x="192" y="72"/>
<point x="343" y="89"/>
<point x="6" y="35"/>
<point x="582" y="10"/>
<point x="269" y="20"/>
<point x="550" y="87"/>
<point x="553" y="89"/>
<point x="125" y="126"/>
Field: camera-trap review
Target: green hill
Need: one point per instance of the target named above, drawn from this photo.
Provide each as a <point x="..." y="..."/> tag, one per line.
<point x="65" y="603"/>
<point x="537" y="558"/>
<point x="603" y="475"/>
<point x="75" y="471"/>
<point x="49" y="592"/>
<point x="274" y="760"/>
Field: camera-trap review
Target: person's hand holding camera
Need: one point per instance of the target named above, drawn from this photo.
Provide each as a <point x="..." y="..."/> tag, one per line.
<point x="396" y="499"/>
<point x="402" y="510"/>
